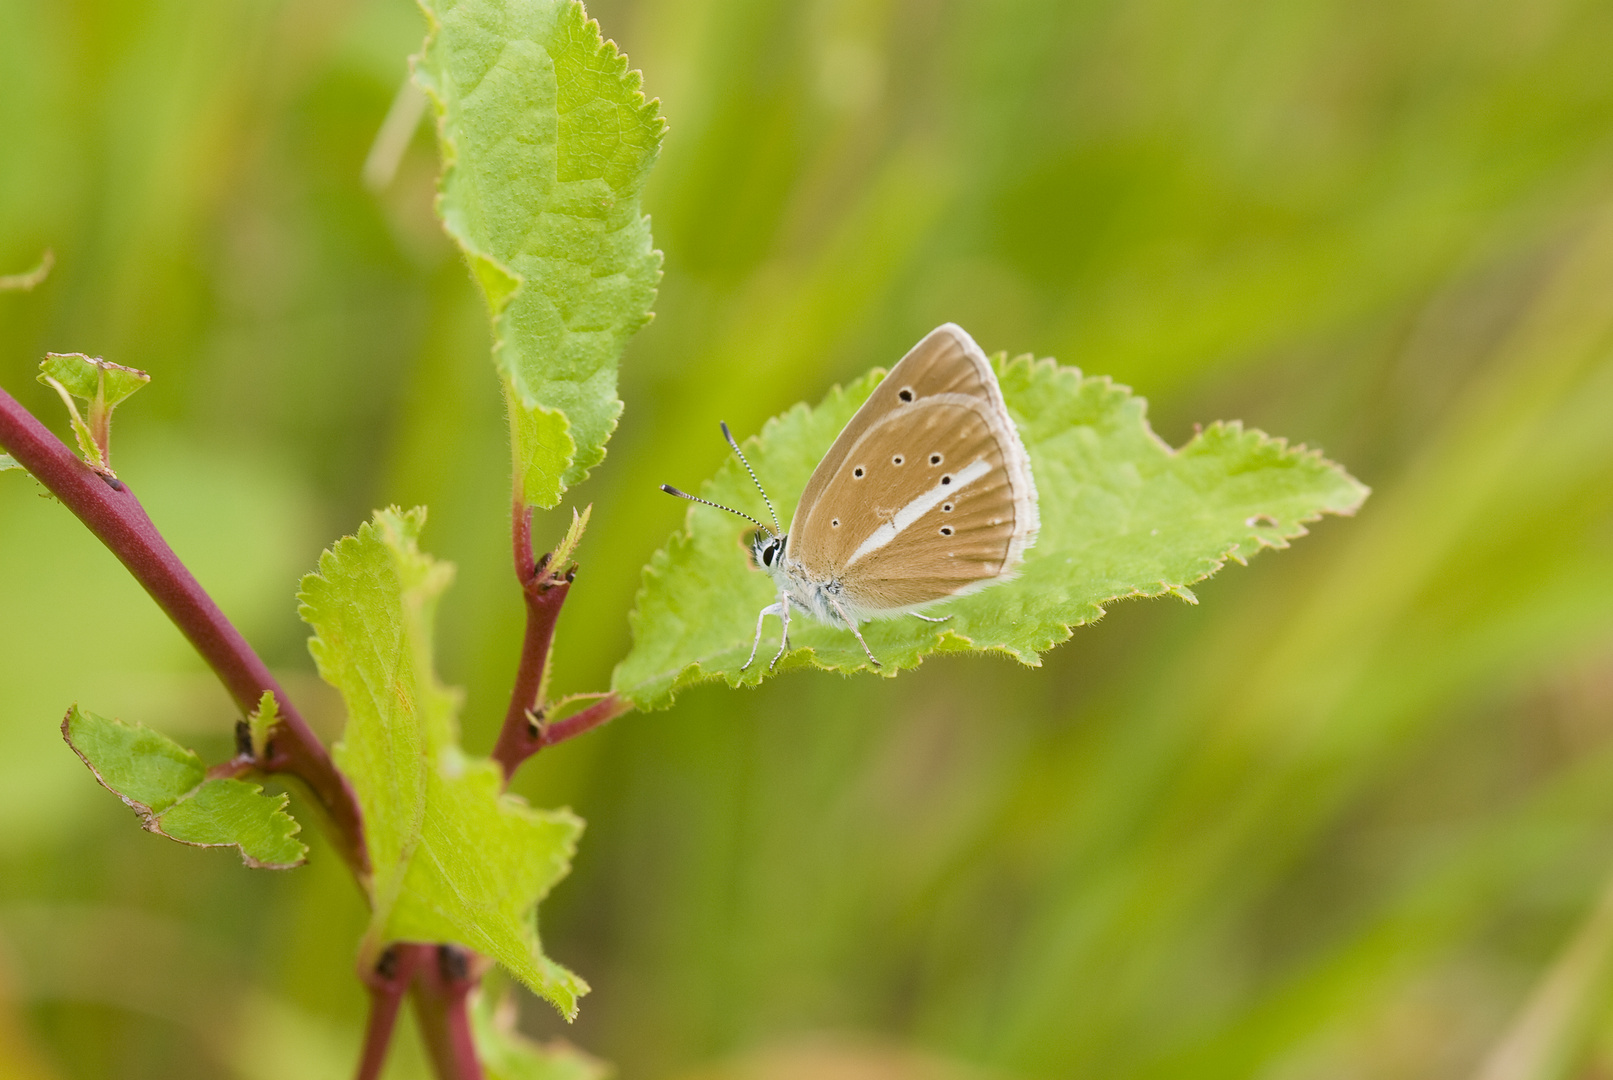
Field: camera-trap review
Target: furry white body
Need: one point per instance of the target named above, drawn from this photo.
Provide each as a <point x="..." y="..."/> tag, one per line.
<point x="825" y="601"/>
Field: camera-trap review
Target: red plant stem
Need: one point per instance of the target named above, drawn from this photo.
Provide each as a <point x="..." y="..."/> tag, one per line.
<point x="442" y="1003"/>
<point x="545" y="590"/>
<point x="521" y="536"/>
<point x="520" y="737"/>
<point x="388" y="981"/>
<point x="544" y="593"/>
<point x="115" y="516"/>
<point x="605" y="709"/>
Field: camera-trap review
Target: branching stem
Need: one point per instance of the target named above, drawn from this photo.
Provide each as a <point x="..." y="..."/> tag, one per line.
<point x="111" y="511"/>
<point x="545" y="584"/>
<point x="441" y="978"/>
<point x="602" y="711"/>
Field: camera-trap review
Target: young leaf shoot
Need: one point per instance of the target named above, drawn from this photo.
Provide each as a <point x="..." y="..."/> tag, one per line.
<point x="262" y="720"/>
<point x="102" y="386"/>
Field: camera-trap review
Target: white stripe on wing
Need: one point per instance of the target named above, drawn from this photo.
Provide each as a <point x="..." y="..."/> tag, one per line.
<point x="918" y="508"/>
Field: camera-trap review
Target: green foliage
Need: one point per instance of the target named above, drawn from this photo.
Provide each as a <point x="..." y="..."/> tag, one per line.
<point x="263" y="718"/>
<point x="546" y="142"/>
<point x="506" y="1054"/>
<point x="91" y="378"/>
<point x="8" y="462"/>
<point x="168" y="787"/>
<point x="1122" y="515"/>
<point x="103" y="386"/>
<point x="454" y="859"/>
<point x="1334" y="821"/>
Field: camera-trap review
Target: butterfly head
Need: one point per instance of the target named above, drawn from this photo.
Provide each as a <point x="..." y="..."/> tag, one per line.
<point x="767" y="550"/>
<point x="766" y="545"/>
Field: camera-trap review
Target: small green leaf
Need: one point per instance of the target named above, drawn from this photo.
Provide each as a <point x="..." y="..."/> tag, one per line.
<point x="263" y="718"/>
<point x="547" y="141"/>
<point x="455" y="859"/>
<point x="103" y="386"/>
<point x="568" y="544"/>
<point x="8" y="462"/>
<point x="87" y="444"/>
<point x="506" y="1054"/>
<point x="89" y="377"/>
<point x="168" y="787"/>
<point x="1122" y="515"/>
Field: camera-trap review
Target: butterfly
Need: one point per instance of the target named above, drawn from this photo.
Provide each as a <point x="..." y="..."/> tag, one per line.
<point x="925" y="495"/>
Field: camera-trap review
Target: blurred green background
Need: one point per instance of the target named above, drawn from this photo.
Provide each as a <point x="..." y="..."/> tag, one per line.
<point x="1351" y="816"/>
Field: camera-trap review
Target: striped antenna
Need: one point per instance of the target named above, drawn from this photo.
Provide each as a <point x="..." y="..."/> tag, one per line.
<point x="670" y="490"/>
<point x="729" y="436"/>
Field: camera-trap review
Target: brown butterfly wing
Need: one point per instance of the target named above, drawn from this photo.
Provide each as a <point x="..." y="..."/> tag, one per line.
<point x="947" y="361"/>
<point x="873" y="513"/>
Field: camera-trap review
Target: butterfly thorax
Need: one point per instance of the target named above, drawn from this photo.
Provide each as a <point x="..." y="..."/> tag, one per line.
<point x="817" y="596"/>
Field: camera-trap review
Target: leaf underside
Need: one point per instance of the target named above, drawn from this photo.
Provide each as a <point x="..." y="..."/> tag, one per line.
<point x="1122" y="515"/>
<point x="547" y="141"/>
<point x="168" y="787"/>
<point x="454" y="858"/>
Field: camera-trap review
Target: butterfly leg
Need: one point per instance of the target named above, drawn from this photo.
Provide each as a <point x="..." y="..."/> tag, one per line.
<point x="852" y="624"/>
<point x="928" y="618"/>
<point x="784" y="640"/>
<point x="782" y="611"/>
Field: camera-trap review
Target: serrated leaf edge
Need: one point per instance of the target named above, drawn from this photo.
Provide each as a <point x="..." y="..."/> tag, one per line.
<point x="515" y="394"/>
<point x="399" y="531"/>
<point x="150" y="820"/>
<point x="804" y="657"/>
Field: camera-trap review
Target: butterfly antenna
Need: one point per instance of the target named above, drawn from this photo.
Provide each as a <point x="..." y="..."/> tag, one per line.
<point x="670" y="490"/>
<point x="729" y="436"/>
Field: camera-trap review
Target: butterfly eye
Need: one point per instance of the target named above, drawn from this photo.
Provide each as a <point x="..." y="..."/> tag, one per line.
<point x="858" y="472"/>
<point x="946" y="530"/>
<point x="905" y="393"/>
<point x="935" y="459"/>
<point x="898" y="459"/>
<point x="767" y="555"/>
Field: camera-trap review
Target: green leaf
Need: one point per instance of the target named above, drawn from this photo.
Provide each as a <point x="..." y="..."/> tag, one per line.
<point x="547" y="141"/>
<point x="455" y="859"/>
<point x="1122" y="515"/>
<point x="258" y="725"/>
<point x="506" y="1054"/>
<point x="90" y="377"/>
<point x="168" y="787"/>
<point x="103" y="386"/>
<point x="8" y="462"/>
